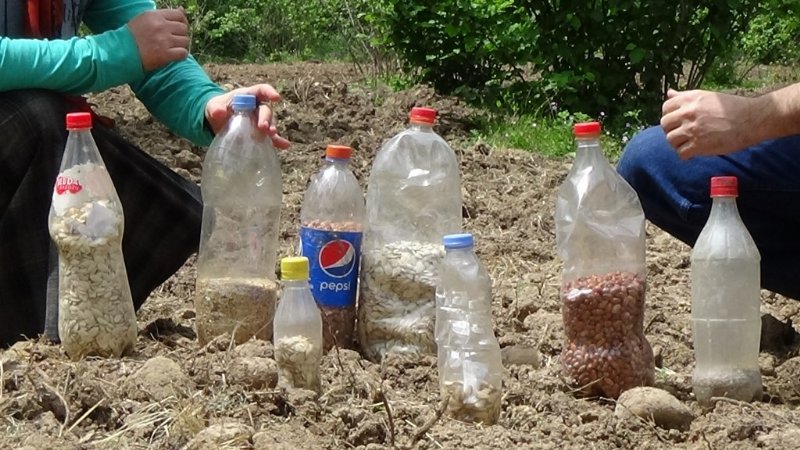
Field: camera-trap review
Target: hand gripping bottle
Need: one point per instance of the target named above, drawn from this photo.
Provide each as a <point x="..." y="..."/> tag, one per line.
<point x="331" y="220"/>
<point x="95" y="310"/>
<point x="413" y="200"/>
<point x="298" y="329"/>
<point x="726" y="284"/>
<point x="470" y="364"/>
<point x="600" y="236"/>
<point x="241" y="186"/>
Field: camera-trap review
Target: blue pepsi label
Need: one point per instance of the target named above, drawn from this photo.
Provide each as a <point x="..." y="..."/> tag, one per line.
<point x="333" y="257"/>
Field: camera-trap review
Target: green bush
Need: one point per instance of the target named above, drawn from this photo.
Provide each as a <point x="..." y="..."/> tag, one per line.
<point x="278" y="29"/>
<point x="773" y="36"/>
<point x="590" y="57"/>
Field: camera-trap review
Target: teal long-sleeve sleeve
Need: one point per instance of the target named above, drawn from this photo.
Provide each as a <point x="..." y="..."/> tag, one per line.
<point x="175" y="94"/>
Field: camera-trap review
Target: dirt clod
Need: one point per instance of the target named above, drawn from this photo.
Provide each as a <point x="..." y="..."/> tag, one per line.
<point x="228" y="435"/>
<point x="159" y="378"/>
<point x="654" y="404"/>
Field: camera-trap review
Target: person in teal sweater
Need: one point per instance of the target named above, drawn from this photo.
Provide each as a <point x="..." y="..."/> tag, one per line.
<point x="45" y="69"/>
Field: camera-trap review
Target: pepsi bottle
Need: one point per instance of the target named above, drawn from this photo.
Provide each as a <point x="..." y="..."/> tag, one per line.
<point x="332" y="217"/>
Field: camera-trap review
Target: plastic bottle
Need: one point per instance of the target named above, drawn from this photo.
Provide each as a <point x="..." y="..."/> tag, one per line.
<point x="601" y="240"/>
<point x="332" y="222"/>
<point x="413" y="200"/>
<point x="95" y="313"/>
<point x="470" y="364"/>
<point x="726" y="283"/>
<point x="242" y="189"/>
<point x="298" y="328"/>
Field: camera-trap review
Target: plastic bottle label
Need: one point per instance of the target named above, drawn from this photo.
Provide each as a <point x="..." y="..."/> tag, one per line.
<point x="334" y="258"/>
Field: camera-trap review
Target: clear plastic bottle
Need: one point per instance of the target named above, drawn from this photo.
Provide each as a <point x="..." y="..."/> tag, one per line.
<point x="726" y="284"/>
<point x="332" y="223"/>
<point x="600" y="236"/>
<point x="242" y="189"/>
<point x="470" y="364"/>
<point x="298" y="328"/>
<point x="413" y="200"/>
<point x="95" y="313"/>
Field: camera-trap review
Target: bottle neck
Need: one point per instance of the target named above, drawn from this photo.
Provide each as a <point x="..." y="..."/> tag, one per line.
<point x="295" y="284"/>
<point x="338" y="162"/>
<point x="421" y="126"/>
<point x="588" y="146"/>
<point x="724" y="207"/>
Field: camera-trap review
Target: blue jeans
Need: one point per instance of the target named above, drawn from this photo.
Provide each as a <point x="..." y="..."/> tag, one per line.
<point x="675" y="197"/>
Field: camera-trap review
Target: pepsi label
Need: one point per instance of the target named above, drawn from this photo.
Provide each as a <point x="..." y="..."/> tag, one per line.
<point x="333" y="258"/>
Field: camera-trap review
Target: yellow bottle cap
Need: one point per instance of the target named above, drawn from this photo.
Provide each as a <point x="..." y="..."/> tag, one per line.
<point x="294" y="268"/>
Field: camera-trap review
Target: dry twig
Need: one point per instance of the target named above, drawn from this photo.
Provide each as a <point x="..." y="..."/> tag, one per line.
<point x="427" y="425"/>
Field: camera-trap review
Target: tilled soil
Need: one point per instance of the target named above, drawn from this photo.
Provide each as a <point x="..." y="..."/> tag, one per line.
<point x="172" y="393"/>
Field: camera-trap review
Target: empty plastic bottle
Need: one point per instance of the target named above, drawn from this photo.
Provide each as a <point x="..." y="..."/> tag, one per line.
<point x="726" y="283"/>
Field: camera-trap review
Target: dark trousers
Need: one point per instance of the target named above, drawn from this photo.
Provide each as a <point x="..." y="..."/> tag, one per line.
<point x="162" y="211"/>
<point x="675" y="197"/>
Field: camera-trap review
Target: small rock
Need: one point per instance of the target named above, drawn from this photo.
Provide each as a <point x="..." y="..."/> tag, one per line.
<point x="254" y="348"/>
<point x="654" y="404"/>
<point x="222" y="435"/>
<point x="187" y="160"/>
<point x="265" y="440"/>
<point x="776" y="335"/>
<point x="253" y="372"/>
<point x="522" y="355"/>
<point x="157" y="379"/>
<point x="780" y="439"/>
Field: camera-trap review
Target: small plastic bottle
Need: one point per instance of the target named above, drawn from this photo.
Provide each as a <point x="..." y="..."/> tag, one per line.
<point x="241" y="185"/>
<point x="95" y="312"/>
<point x="469" y="360"/>
<point x="726" y="283"/>
<point x="297" y="329"/>
<point x="413" y="200"/>
<point x="332" y="218"/>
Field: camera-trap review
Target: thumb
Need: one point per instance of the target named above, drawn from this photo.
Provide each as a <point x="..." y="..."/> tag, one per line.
<point x="673" y="93"/>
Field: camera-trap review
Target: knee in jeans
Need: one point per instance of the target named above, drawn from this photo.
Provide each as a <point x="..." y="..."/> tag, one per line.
<point x="43" y="110"/>
<point x="642" y="153"/>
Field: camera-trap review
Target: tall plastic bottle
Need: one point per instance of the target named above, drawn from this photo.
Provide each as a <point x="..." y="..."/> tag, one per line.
<point x="413" y="200"/>
<point x="726" y="283"/>
<point x="95" y="310"/>
<point x="332" y="223"/>
<point x="242" y="189"/>
<point x="600" y="236"/>
<point x="470" y="364"/>
<point x="298" y="329"/>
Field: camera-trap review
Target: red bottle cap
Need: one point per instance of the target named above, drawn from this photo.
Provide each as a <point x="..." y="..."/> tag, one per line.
<point x="422" y="115"/>
<point x="724" y="187"/>
<point x="586" y="129"/>
<point x="79" y="121"/>
<point x="338" y="151"/>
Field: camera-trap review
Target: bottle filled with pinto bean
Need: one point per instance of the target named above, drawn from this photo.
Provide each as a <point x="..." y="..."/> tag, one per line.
<point x="601" y="241"/>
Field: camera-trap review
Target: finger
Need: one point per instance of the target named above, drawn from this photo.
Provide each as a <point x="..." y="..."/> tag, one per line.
<point x="672" y="93"/>
<point x="686" y="151"/>
<point x="175" y="15"/>
<point x="677" y="138"/>
<point x="177" y="29"/>
<point x="671" y="121"/>
<point x="264" y="93"/>
<point x="177" y="53"/>
<point x="265" y="118"/>
<point x="180" y="42"/>
<point x="671" y="105"/>
<point x="280" y="142"/>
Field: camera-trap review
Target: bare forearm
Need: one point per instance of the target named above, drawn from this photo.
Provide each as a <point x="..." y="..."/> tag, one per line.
<point x="778" y="113"/>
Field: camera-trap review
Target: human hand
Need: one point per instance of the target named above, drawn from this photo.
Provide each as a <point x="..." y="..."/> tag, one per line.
<point x="162" y="36"/>
<point x="218" y="111"/>
<point x="708" y="123"/>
